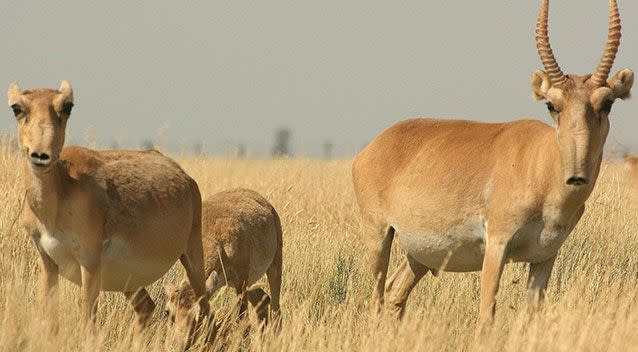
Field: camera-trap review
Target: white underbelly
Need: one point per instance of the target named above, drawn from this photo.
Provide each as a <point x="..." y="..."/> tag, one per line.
<point x="459" y="249"/>
<point x="121" y="270"/>
<point x="462" y="248"/>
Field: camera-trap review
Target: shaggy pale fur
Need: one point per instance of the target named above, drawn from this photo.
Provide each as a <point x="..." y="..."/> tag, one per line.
<point x="242" y="238"/>
<point x="105" y="220"/>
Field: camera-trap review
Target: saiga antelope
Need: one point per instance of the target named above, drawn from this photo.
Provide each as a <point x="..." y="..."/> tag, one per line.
<point x="105" y="220"/>
<point x="242" y="237"/>
<point x="466" y="196"/>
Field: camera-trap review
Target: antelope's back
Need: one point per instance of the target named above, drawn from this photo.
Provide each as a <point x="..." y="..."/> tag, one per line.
<point x="245" y="225"/>
<point x="147" y="197"/>
<point x="441" y="169"/>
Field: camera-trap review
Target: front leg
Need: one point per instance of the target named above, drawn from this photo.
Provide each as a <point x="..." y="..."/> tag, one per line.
<point x="493" y="263"/>
<point x="539" y="274"/>
<point x="90" y="291"/>
<point x="143" y="306"/>
<point x="49" y="282"/>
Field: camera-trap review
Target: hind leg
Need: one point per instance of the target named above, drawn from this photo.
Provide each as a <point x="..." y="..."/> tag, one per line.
<point x="402" y="282"/>
<point x="379" y="247"/>
<point x="239" y="280"/>
<point x="193" y="262"/>
<point x="274" y="273"/>
<point x="143" y="306"/>
<point x="195" y="272"/>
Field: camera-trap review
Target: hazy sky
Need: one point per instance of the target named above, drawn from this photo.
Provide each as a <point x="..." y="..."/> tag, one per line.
<point x="232" y="72"/>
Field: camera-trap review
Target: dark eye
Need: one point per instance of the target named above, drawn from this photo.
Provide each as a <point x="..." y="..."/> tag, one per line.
<point x="607" y="106"/>
<point x="16" y="109"/>
<point x="66" y="108"/>
<point x="551" y="108"/>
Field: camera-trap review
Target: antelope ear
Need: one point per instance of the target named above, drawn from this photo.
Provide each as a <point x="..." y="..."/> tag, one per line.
<point x="540" y="85"/>
<point x="66" y="90"/>
<point x="621" y="84"/>
<point x="14" y="93"/>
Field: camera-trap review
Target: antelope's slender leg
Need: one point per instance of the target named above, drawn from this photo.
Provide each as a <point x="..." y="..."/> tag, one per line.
<point x="49" y="286"/>
<point x="379" y="248"/>
<point x="193" y="257"/>
<point x="493" y="263"/>
<point x="402" y="282"/>
<point x="143" y="306"/>
<point x="539" y="274"/>
<point x="91" y="280"/>
<point x="193" y="262"/>
<point x="238" y="279"/>
<point x="274" y="281"/>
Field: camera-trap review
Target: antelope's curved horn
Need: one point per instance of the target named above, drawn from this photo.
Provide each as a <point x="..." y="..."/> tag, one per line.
<point x="545" y="52"/>
<point x="611" y="48"/>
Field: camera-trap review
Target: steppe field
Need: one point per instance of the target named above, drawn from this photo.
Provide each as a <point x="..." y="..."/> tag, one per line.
<point x="592" y="300"/>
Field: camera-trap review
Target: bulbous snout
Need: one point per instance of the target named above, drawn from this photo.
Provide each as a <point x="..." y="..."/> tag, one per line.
<point x="42" y="144"/>
<point x="577" y="164"/>
<point x="578" y="149"/>
<point x="577" y="181"/>
<point x="40" y="159"/>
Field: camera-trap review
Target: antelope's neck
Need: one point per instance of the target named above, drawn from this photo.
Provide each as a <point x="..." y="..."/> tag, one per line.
<point x="43" y="191"/>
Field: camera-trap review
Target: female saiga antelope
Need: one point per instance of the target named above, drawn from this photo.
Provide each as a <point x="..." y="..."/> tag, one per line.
<point x="468" y="196"/>
<point x="109" y="220"/>
<point x="242" y="238"/>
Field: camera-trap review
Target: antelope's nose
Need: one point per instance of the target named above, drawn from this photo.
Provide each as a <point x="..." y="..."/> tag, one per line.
<point x="40" y="159"/>
<point x="577" y="181"/>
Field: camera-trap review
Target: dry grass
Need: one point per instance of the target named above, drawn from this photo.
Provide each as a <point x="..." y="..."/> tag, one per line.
<point x="592" y="304"/>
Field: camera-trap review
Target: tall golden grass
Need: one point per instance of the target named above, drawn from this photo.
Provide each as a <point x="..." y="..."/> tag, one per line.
<point x="592" y="297"/>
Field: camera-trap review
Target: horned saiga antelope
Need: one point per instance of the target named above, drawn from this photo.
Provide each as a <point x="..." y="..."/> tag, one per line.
<point x="466" y="196"/>
<point x="105" y="220"/>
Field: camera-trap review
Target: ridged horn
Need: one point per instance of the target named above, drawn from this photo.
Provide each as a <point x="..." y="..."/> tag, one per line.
<point x="611" y="48"/>
<point x="545" y="52"/>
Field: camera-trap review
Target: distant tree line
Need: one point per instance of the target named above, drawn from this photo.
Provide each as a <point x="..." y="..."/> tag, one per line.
<point x="281" y="147"/>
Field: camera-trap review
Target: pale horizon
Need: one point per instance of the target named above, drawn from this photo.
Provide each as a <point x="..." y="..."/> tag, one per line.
<point x="227" y="74"/>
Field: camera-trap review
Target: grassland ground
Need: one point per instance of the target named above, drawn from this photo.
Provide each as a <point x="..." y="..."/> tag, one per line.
<point x="592" y="300"/>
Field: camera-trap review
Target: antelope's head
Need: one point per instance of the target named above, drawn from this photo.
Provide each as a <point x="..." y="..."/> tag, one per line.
<point x="42" y="115"/>
<point x="580" y="105"/>
<point x="182" y="308"/>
